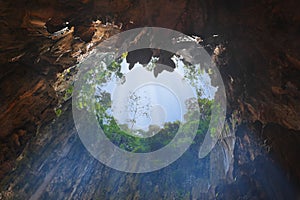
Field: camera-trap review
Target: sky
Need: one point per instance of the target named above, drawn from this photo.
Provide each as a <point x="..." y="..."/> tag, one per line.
<point x="159" y="99"/>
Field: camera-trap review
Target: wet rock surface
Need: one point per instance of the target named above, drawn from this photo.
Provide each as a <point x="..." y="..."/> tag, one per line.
<point x="256" y="46"/>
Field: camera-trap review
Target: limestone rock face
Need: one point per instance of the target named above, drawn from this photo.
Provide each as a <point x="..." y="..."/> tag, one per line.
<point x="255" y="44"/>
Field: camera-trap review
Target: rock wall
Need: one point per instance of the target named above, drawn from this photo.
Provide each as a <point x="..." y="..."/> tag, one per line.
<point x="255" y="44"/>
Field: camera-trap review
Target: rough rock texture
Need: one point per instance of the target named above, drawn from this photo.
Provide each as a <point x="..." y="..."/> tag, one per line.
<point x="257" y="49"/>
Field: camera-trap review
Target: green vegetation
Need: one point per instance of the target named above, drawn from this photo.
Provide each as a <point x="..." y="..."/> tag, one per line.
<point x="97" y="101"/>
<point x="58" y="112"/>
<point x="124" y="140"/>
<point x="69" y="92"/>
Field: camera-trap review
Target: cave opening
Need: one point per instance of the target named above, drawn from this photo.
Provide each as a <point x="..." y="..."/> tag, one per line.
<point x="45" y="46"/>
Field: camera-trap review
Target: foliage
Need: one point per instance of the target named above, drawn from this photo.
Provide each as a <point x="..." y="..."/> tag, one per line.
<point x="58" y="112"/>
<point x="97" y="101"/>
<point x="68" y="92"/>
